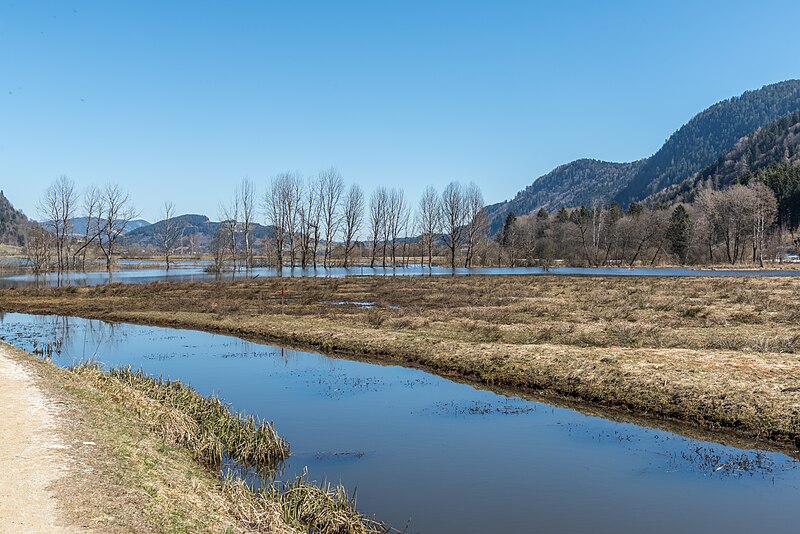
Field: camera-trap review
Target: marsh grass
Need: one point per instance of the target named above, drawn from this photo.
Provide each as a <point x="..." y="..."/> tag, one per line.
<point x="204" y="425"/>
<point x="211" y="431"/>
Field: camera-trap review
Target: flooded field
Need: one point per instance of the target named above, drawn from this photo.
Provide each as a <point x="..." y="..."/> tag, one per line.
<point x="196" y="273"/>
<point x="432" y="455"/>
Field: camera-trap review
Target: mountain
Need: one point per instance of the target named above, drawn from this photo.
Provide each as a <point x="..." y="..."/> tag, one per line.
<point x="572" y="184"/>
<point x="13" y="223"/>
<point x="79" y="225"/>
<point x="709" y="135"/>
<point x="136" y="224"/>
<point x="696" y="145"/>
<point x="774" y="144"/>
<point x="197" y="227"/>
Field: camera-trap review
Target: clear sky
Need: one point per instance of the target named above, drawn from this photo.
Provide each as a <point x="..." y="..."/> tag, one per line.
<point x="181" y="100"/>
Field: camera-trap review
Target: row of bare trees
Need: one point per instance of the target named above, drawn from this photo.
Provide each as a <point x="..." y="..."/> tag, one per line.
<point x="107" y="211"/>
<point x="314" y="220"/>
<point x="313" y="217"/>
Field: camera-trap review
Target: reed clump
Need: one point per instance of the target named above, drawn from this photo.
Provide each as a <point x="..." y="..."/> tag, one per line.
<point x="321" y="509"/>
<point x="204" y="425"/>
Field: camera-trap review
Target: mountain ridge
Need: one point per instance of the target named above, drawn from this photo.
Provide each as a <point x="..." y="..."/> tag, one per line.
<point x="706" y="137"/>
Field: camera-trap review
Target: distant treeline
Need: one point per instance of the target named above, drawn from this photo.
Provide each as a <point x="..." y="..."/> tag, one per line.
<point x="754" y="220"/>
<point x="320" y="221"/>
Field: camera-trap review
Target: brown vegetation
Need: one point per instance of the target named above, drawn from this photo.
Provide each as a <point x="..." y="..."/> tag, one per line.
<point x="716" y="352"/>
<point x="145" y="455"/>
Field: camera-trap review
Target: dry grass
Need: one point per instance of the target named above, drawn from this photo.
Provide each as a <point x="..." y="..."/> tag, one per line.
<point x="203" y="425"/>
<point x="123" y="476"/>
<point x="145" y="456"/>
<point x="717" y="352"/>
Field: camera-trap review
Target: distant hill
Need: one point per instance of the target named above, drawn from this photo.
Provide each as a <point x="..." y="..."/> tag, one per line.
<point x="774" y="144"/>
<point x="708" y="136"/>
<point x="13" y="223"/>
<point x="572" y="184"/>
<point x="199" y="227"/>
<point x="78" y="225"/>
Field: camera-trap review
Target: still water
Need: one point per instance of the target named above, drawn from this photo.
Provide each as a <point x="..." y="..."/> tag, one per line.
<point x="432" y="455"/>
<point x="197" y="273"/>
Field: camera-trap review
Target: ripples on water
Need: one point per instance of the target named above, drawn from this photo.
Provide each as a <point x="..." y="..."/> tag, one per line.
<point x="439" y="456"/>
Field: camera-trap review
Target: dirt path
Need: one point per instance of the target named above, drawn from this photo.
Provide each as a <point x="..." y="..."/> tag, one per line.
<point x="32" y="454"/>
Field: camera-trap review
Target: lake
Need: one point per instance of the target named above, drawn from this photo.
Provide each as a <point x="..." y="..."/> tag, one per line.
<point x="197" y="273"/>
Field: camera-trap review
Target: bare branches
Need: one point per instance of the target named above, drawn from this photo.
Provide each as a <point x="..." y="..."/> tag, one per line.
<point x="477" y="221"/>
<point x="115" y="212"/>
<point x="170" y="232"/>
<point x="281" y="205"/>
<point x="331" y="188"/>
<point x="353" y="215"/>
<point x="38" y="249"/>
<point x="58" y="206"/>
<point x="453" y="217"/>
<point x="429" y="215"/>
<point x="377" y="222"/>
<point x="246" y="197"/>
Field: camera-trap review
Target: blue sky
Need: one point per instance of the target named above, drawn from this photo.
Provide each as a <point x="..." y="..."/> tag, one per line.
<point x="181" y="100"/>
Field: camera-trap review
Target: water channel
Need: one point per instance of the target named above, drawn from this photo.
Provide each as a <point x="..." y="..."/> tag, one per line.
<point x="428" y="454"/>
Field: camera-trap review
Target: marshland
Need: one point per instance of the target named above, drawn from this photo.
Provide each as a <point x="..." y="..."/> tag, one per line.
<point x="337" y="268"/>
<point x="415" y="450"/>
<point x="655" y="383"/>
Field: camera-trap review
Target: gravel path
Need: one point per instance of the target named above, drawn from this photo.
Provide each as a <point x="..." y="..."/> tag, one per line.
<point x="32" y="454"/>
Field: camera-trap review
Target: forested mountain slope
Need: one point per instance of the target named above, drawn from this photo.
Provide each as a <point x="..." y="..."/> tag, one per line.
<point x="775" y="144"/>
<point x="708" y="136"/>
<point x="573" y="184"/>
<point x="13" y="223"/>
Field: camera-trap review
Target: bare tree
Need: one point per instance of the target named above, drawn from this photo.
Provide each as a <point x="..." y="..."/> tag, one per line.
<point x="170" y="232"/>
<point x="273" y="207"/>
<point x="707" y="202"/>
<point x="453" y="218"/>
<point x="38" y="249"/>
<point x="396" y="218"/>
<point x="115" y="213"/>
<point x="219" y="249"/>
<point x="734" y="215"/>
<point x="229" y="222"/>
<point x="92" y="229"/>
<point x="313" y="215"/>
<point x="377" y="220"/>
<point x="246" y="196"/>
<point x="281" y="204"/>
<point x="332" y="188"/>
<point x="58" y="206"/>
<point x="477" y="221"/>
<point x="765" y="209"/>
<point x="353" y="215"/>
<point x="429" y="221"/>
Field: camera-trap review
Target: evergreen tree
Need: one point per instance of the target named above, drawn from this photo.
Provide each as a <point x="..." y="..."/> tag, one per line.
<point x="508" y="229"/>
<point x="679" y="233"/>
